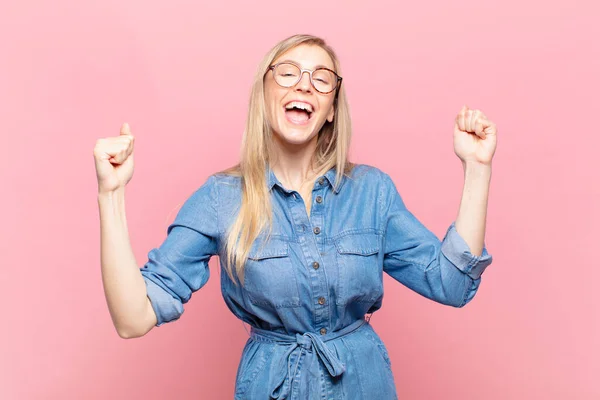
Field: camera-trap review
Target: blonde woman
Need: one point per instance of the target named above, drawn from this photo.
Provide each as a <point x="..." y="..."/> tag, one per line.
<point x="303" y="236"/>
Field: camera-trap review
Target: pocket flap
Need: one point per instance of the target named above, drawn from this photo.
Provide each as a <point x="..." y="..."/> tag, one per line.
<point x="272" y="249"/>
<point x="363" y="244"/>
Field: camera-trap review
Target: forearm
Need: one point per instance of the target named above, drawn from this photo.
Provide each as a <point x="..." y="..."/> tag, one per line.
<point x="124" y="286"/>
<point x="471" y="219"/>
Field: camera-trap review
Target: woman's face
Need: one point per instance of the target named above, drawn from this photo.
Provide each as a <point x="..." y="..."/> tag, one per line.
<point x="290" y="124"/>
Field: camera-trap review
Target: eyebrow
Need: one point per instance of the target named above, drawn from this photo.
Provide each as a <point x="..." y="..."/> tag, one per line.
<point x="295" y="63"/>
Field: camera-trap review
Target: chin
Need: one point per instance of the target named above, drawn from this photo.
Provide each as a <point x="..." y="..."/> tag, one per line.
<point x="295" y="138"/>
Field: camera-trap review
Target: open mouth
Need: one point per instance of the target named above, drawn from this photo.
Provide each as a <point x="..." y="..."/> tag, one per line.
<point x="298" y="113"/>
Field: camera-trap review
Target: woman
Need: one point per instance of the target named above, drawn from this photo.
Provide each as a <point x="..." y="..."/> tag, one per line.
<point x="303" y="235"/>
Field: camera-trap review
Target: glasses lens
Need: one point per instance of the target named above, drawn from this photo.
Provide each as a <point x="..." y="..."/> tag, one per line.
<point x="324" y="80"/>
<point x="286" y="74"/>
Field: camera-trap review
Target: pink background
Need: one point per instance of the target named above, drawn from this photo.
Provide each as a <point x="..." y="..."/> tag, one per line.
<point x="72" y="72"/>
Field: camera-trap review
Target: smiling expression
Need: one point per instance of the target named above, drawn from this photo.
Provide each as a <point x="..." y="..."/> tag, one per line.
<point x="297" y="114"/>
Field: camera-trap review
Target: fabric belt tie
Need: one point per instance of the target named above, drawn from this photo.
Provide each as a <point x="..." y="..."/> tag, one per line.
<point x="307" y="341"/>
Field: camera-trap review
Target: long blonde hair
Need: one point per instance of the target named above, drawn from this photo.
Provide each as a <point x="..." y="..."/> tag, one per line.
<point x="333" y="144"/>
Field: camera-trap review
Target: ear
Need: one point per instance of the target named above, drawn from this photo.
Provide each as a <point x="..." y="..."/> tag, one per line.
<point x="331" y="114"/>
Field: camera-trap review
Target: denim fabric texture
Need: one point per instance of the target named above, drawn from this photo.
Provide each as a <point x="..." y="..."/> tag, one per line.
<point x="308" y="289"/>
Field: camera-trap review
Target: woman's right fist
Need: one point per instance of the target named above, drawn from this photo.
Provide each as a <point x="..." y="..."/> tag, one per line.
<point x="114" y="160"/>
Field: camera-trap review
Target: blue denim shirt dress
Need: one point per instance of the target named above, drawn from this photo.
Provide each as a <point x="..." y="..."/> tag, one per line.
<point x="308" y="289"/>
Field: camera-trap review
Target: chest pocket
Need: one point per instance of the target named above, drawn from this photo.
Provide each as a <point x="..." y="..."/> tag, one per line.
<point x="269" y="277"/>
<point x="360" y="273"/>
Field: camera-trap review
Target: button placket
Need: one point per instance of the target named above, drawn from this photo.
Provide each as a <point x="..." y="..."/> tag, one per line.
<point x="318" y="276"/>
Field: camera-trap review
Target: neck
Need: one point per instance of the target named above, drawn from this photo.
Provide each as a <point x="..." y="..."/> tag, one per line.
<point x="292" y="163"/>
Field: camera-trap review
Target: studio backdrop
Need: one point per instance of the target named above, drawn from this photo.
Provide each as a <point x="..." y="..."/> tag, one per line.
<point x="180" y="72"/>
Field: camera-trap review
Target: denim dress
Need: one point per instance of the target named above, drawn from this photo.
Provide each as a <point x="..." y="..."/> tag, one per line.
<point x="308" y="289"/>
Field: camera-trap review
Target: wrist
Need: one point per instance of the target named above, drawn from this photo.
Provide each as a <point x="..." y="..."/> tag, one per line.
<point x="477" y="172"/>
<point x="112" y="196"/>
<point x="476" y="165"/>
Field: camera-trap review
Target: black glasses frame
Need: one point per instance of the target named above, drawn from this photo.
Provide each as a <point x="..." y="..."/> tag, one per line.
<point x="338" y="82"/>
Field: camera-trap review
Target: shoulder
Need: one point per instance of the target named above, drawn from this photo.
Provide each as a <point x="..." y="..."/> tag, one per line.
<point x="372" y="182"/>
<point x="227" y="186"/>
<point x="365" y="174"/>
<point x="225" y="179"/>
<point x="208" y="188"/>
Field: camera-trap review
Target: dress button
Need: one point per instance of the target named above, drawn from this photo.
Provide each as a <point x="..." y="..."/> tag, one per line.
<point x="317" y="230"/>
<point x="319" y="199"/>
<point x="321" y="300"/>
<point x="316" y="265"/>
<point x="321" y="181"/>
<point x="323" y="331"/>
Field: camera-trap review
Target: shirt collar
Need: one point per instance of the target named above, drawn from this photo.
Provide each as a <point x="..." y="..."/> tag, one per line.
<point x="327" y="178"/>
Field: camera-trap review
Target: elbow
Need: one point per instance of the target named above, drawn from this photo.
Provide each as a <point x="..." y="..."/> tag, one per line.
<point x="457" y="289"/>
<point x="456" y="299"/>
<point x="455" y="303"/>
<point x="128" y="333"/>
<point x="460" y="304"/>
<point x="132" y="332"/>
<point x="461" y="301"/>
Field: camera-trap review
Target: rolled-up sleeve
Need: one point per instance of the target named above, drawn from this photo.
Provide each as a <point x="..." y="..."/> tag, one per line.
<point x="179" y="266"/>
<point x="457" y="251"/>
<point x="444" y="271"/>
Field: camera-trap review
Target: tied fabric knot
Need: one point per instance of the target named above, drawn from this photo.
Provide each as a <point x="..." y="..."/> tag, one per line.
<point x="308" y="341"/>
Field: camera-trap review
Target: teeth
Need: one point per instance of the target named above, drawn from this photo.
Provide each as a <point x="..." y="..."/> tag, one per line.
<point x="300" y="105"/>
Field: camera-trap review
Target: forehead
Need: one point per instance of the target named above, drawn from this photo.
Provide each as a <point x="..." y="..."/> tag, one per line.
<point x="307" y="56"/>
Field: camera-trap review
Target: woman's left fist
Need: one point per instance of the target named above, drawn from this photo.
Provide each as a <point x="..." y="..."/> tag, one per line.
<point x="474" y="137"/>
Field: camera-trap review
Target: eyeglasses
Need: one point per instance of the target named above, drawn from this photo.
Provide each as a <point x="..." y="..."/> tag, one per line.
<point x="323" y="80"/>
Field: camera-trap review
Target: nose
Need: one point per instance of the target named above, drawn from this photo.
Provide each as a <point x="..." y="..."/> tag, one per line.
<point x="304" y="82"/>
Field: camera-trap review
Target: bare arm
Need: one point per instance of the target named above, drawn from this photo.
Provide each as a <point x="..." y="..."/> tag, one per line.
<point x="124" y="286"/>
<point x="471" y="219"/>
<point x="475" y="139"/>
